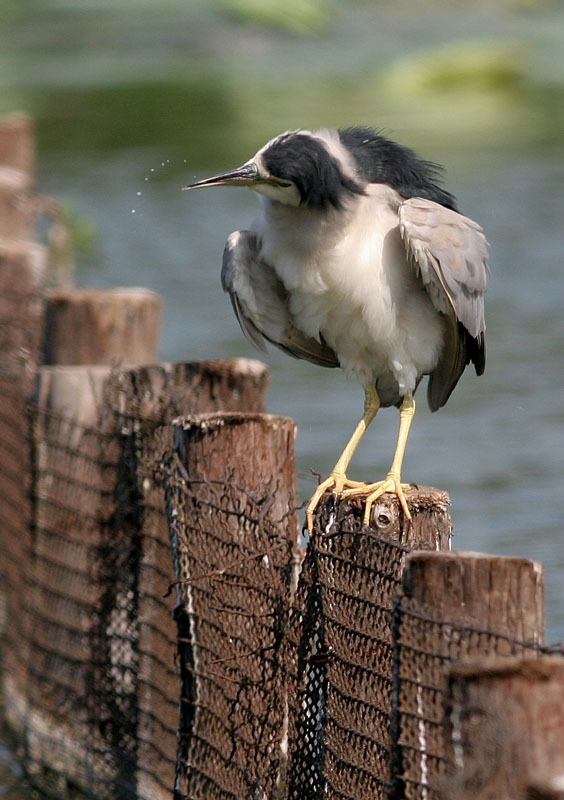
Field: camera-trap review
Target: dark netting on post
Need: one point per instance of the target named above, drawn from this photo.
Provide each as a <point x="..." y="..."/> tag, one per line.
<point x="15" y="517"/>
<point x="233" y="529"/>
<point x="21" y="319"/>
<point x="340" y="712"/>
<point x="137" y="626"/>
<point x="64" y="732"/>
<point x="91" y="684"/>
<point x="427" y="647"/>
<point x="340" y="648"/>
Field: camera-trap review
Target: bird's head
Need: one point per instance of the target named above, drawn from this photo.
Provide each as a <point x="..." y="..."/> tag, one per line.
<point x="297" y="168"/>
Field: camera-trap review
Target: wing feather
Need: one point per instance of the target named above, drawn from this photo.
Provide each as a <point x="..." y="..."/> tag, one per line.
<point x="260" y="302"/>
<point x="449" y="252"/>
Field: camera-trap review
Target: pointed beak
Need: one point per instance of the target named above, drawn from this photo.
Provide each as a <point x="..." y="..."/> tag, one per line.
<point x="247" y="175"/>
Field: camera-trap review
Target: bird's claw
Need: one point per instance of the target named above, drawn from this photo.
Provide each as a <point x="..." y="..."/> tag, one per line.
<point x="337" y="481"/>
<point x="391" y="483"/>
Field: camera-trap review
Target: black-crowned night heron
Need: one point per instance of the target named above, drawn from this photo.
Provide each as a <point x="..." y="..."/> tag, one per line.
<point x="358" y="259"/>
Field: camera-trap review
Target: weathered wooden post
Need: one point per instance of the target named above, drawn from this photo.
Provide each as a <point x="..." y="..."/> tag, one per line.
<point x="22" y="267"/>
<point x="74" y="463"/>
<point x="340" y="653"/>
<point x="232" y="512"/>
<point x="102" y="326"/>
<point x="506" y="728"/>
<point x="136" y="403"/>
<point x="452" y="606"/>
<point x="17" y="177"/>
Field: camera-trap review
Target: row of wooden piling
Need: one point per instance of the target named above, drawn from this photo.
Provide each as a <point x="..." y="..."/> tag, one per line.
<point x="393" y="667"/>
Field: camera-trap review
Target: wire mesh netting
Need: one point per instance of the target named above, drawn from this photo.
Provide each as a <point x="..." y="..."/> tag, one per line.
<point x="65" y="724"/>
<point x="112" y="696"/>
<point x="15" y="517"/>
<point x="233" y="528"/>
<point x="341" y="649"/>
<point x="21" y="313"/>
<point x="89" y="669"/>
<point x="139" y="572"/>
<point x="427" y="645"/>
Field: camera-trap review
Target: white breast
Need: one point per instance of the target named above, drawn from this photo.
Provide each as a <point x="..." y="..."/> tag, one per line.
<point x="349" y="282"/>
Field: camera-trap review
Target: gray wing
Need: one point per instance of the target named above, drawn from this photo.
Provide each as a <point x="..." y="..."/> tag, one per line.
<point x="449" y="252"/>
<point x="260" y="302"/>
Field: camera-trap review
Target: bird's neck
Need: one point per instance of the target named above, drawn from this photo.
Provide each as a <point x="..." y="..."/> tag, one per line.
<point x="298" y="243"/>
<point x="302" y="230"/>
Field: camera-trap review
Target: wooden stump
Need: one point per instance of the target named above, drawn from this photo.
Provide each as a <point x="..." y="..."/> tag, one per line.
<point x="453" y="606"/>
<point x="22" y="271"/>
<point x="341" y="650"/>
<point x="503" y="595"/>
<point x="232" y="512"/>
<point x="68" y="495"/>
<point x="158" y="393"/>
<point x="22" y="268"/>
<point x="17" y="143"/>
<point x="17" y="168"/>
<point x="506" y="722"/>
<point x="102" y="326"/>
<point x="431" y="526"/>
<point x="137" y="404"/>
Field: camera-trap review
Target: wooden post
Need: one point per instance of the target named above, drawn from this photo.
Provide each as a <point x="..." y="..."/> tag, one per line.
<point x="17" y="143"/>
<point x="504" y="595"/>
<point x="22" y="270"/>
<point x="453" y="605"/>
<point x="158" y="393"/>
<point x="74" y="488"/>
<point x="506" y="725"/>
<point x="17" y="169"/>
<point x="341" y="642"/>
<point x="431" y="526"/>
<point x="21" y="322"/>
<point x="64" y="595"/>
<point x="136" y="403"/>
<point x="102" y="326"/>
<point x="232" y="511"/>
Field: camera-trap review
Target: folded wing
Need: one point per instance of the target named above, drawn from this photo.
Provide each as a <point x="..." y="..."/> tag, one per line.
<point x="260" y="302"/>
<point x="449" y="253"/>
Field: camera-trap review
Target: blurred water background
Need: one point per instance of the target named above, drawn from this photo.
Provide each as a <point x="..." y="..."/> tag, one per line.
<point x="133" y="100"/>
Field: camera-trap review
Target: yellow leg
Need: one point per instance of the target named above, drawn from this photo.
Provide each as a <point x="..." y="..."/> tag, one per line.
<point x="392" y="481"/>
<point x="338" y="479"/>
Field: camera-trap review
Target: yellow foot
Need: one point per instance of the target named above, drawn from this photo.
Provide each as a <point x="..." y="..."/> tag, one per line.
<point x="336" y="481"/>
<point x="391" y="483"/>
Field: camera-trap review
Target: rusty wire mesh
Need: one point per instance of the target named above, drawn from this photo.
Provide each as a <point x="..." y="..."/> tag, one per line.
<point x="426" y="646"/>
